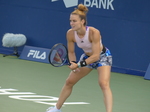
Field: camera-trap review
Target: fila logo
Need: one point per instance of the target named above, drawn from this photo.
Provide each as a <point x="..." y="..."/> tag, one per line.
<point x="36" y="54"/>
<point x="101" y="4"/>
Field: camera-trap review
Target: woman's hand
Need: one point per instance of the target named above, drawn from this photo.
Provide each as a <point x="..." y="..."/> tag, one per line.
<point x="73" y="66"/>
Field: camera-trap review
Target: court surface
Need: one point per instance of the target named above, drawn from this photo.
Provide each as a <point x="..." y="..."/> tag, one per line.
<point x="28" y="86"/>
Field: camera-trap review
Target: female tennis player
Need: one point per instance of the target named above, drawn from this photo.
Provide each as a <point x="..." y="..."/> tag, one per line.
<point x="95" y="56"/>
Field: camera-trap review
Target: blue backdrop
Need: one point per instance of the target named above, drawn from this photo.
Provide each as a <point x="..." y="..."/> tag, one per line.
<point x="124" y="26"/>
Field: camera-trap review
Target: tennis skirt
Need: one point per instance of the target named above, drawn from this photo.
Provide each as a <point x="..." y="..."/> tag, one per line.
<point x="105" y="60"/>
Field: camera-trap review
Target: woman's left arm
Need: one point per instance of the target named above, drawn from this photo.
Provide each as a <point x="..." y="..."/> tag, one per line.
<point x="96" y="46"/>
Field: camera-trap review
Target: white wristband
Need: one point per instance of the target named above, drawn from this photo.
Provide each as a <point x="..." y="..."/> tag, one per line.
<point x="79" y="65"/>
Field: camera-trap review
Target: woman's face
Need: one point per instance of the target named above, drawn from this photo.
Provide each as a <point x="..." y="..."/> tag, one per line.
<point x="75" y="22"/>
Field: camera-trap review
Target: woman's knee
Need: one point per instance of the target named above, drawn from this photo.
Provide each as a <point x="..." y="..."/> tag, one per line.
<point x="70" y="82"/>
<point x="104" y="85"/>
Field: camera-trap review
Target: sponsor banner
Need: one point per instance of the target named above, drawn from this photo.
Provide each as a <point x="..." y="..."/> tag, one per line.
<point x="104" y="4"/>
<point x="35" y="54"/>
<point x="147" y="74"/>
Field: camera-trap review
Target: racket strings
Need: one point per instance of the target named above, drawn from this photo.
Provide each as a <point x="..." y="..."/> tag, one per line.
<point x="58" y="55"/>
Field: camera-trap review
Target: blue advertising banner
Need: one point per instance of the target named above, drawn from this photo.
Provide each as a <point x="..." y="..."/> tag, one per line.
<point x="35" y="54"/>
<point x="147" y="74"/>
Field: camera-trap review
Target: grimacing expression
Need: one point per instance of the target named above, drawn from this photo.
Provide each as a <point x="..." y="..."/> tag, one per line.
<point x="76" y="22"/>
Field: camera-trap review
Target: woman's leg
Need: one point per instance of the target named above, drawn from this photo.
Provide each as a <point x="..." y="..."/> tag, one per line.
<point x="70" y="82"/>
<point x="104" y="82"/>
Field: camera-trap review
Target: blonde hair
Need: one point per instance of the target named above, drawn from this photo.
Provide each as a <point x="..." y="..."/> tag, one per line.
<point x="81" y="10"/>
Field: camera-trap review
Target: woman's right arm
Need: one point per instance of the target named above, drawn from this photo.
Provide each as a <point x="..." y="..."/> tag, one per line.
<point x="70" y="45"/>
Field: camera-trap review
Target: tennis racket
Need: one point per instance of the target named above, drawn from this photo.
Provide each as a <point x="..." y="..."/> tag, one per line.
<point x="58" y="55"/>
